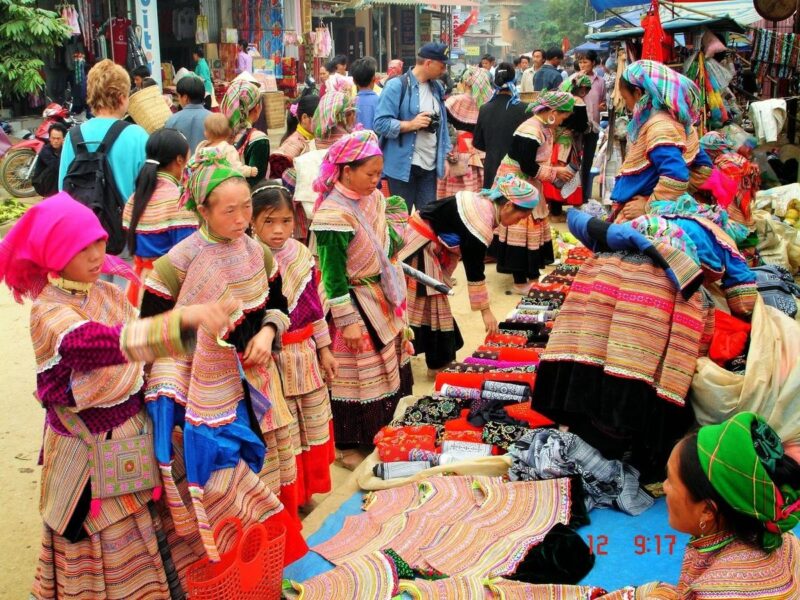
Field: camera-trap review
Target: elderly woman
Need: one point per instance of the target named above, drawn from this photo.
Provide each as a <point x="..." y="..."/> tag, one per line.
<point x="664" y="158"/>
<point x="465" y="165"/>
<point x="734" y="490"/>
<point x="356" y="231"/>
<point x="242" y="106"/>
<point x="745" y="175"/>
<point x="227" y="395"/>
<point x="524" y="248"/>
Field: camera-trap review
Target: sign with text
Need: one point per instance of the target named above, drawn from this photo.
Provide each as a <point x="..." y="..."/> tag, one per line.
<point x="147" y="19"/>
<point x="472" y="50"/>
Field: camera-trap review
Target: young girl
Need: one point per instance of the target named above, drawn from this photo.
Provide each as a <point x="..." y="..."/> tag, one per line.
<point x="90" y="353"/>
<point x="306" y="352"/>
<point x="298" y="137"/>
<point x="153" y="217"/>
<point x="218" y="132"/>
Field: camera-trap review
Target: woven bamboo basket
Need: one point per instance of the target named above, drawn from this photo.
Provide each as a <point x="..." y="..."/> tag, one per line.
<point x="528" y="97"/>
<point x="275" y="106"/>
<point x="148" y="109"/>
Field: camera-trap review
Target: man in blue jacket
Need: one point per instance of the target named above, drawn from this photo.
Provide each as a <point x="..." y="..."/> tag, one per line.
<point x="412" y="122"/>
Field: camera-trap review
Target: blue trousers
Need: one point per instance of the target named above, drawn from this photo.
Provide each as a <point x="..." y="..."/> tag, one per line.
<point x="418" y="191"/>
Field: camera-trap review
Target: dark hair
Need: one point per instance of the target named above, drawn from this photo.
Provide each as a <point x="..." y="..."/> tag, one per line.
<point x="193" y="87"/>
<point x="629" y="87"/>
<point x="589" y="55"/>
<point x="357" y="164"/>
<point x="363" y="72"/>
<point x="307" y="105"/>
<point x="199" y="52"/>
<point x="148" y="82"/>
<point x="517" y="60"/>
<point x="141" y="71"/>
<point x="553" y="53"/>
<point x="524" y="57"/>
<point x="746" y="528"/>
<point x="164" y="146"/>
<point x="540" y="51"/>
<point x="339" y="59"/>
<point x="57" y="127"/>
<point x="243" y="45"/>
<point x="488" y="57"/>
<point x="270" y="194"/>
<point x="503" y="74"/>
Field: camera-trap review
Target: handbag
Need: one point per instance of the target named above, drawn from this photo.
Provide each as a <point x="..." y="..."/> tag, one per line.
<point x="117" y="466"/>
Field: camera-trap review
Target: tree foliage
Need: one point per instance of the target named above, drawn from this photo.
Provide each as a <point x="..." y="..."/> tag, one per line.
<point x="545" y="23"/>
<point x="27" y="36"/>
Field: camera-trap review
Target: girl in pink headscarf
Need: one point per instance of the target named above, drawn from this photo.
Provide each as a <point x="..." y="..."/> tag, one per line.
<point x="90" y="354"/>
<point x="356" y="231"/>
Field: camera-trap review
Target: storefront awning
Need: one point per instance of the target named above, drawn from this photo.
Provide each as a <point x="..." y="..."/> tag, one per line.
<point x="364" y="4"/>
<point x="739" y="10"/>
<point x="719" y="24"/>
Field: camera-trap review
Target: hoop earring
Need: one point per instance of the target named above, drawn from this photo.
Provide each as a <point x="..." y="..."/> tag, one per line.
<point x="703" y="526"/>
<point x="551" y="120"/>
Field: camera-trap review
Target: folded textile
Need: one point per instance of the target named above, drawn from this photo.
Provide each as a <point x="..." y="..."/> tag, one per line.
<point x="394" y="443"/>
<point x="547" y="453"/>
<point x="730" y="338"/>
<point x="454" y="391"/>
<point x="502" y="434"/>
<point x="777" y="287"/>
<point x="432" y="411"/>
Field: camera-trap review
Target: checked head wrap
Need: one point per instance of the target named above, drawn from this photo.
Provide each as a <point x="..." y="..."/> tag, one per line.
<point x="664" y="89"/>
<point x="331" y="111"/>
<point x="479" y="84"/>
<point x="356" y="146"/>
<point x="515" y="190"/>
<point x="204" y="173"/>
<point x="552" y="100"/>
<point x="578" y="80"/>
<point x="242" y="97"/>
<point x="740" y="457"/>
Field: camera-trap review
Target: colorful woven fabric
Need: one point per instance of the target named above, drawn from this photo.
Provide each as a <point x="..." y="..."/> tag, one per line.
<point x="356" y="146"/>
<point x="371" y="575"/>
<point x="163" y="213"/>
<point x="515" y="190"/>
<point x="739" y="457"/>
<point x="714" y="142"/>
<point x="479" y="84"/>
<point x="463" y="108"/>
<point x="205" y="173"/>
<point x="661" y="230"/>
<point x="241" y="98"/>
<point x="46" y="239"/>
<point x="578" y="80"/>
<point x="394" y="443"/>
<point x="477" y="214"/>
<point x="332" y="111"/>
<point x="664" y="89"/>
<point x="687" y="206"/>
<point x="552" y="100"/>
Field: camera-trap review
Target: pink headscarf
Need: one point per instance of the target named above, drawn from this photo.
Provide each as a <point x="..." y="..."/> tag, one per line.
<point x="358" y="145"/>
<point x="45" y="239"/>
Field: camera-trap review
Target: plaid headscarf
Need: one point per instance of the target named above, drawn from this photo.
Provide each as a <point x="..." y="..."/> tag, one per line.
<point x="576" y="81"/>
<point x="714" y="141"/>
<point x="560" y="101"/>
<point x="204" y="172"/>
<point x="664" y="89"/>
<point x="358" y="145"/>
<point x="479" y="84"/>
<point x="331" y="112"/>
<point x="739" y="457"/>
<point x="242" y="97"/>
<point x="515" y="190"/>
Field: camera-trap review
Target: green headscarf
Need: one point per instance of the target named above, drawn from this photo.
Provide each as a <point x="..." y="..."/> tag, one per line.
<point x="578" y="80"/>
<point x="205" y="172"/>
<point x="560" y="101"/>
<point x="739" y="457"/>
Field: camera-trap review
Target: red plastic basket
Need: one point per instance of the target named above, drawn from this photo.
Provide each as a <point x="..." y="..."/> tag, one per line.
<point x="252" y="569"/>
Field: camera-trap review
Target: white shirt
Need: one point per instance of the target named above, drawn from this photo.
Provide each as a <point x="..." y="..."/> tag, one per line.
<point x="425" y="146"/>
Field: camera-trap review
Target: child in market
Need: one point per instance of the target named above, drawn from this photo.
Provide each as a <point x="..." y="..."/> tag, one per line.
<point x="218" y="132"/>
<point x="306" y="353"/>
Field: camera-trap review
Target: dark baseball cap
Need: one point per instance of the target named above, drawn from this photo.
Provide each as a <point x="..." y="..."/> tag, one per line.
<point x="436" y="51"/>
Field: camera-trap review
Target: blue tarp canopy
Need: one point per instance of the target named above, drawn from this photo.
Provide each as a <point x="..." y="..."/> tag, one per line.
<point x="718" y="24"/>
<point x="738" y="10"/>
<point x="625" y="19"/>
<point x="586" y="46"/>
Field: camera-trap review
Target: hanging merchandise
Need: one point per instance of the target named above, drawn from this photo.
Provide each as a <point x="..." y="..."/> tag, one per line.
<point x="712" y="79"/>
<point x="136" y="57"/>
<point x="323" y="46"/>
<point x="775" y="53"/>
<point x="70" y="17"/>
<point x="656" y="43"/>
<point x="201" y="29"/>
<point x="118" y="34"/>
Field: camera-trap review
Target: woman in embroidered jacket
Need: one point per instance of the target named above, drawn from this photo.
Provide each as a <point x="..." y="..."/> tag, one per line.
<point x="524" y="248"/>
<point x="242" y="105"/>
<point x="153" y="217"/>
<point x="227" y="396"/>
<point x="90" y="352"/>
<point x="356" y="230"/>
<point x="732" y="487"/>
<point x="664" y="159"/>
<point x="306" y="352"/>
<point x="460" y="226"/>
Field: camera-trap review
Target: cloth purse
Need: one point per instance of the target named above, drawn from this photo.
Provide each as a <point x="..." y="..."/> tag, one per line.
<point x="116" y="467"/>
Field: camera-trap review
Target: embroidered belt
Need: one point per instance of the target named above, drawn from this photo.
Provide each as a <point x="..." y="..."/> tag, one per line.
<point x="297" y="336"/>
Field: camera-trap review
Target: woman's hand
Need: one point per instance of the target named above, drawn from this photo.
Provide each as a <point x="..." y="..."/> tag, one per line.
<point x="489" y="321"/>
<point x="635" y="207"/>
<point x="353" y="337"/>
<point x="215" y="316"/>
<point x="564" y="174"/>
<point x="328" y="363"/>
<point x="259" y="349"/>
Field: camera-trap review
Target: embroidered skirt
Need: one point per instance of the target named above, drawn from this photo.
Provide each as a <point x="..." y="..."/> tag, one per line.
<point x="524" y="248"/>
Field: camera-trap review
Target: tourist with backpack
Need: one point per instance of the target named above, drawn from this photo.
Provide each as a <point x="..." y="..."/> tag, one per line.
<point x="103" y="156"/>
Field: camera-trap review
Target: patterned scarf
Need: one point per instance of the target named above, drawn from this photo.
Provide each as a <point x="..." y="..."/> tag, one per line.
<point x="664" y="89"/>
<point x="515" y="190"/>
<point x="241" y="98"/>
<point x="714" y="142"/>
<point x="552" y="100"/>
<point x="479" y="84"/>
<point x="356" y="146"/>
<point x="331" y="112"/>
<point x="578" y="80"/>
<point x="687" y="206"/>
<point x="739" y="457"/>
<point x="661" y="230"/>
<point x="204" y="173"/>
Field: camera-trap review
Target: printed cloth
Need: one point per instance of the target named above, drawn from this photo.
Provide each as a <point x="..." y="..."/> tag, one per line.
<point x="205" y="173"/>
<point x="356" y="146"/>
<point x="687" y="206"/>
<point x="331" y="112"/>
<point x="664" y="89"/>
<point x="578" y="80"/>
<point x="553" y="100"/>
<point x="516" y="190"/>
<point x="550" y="453"/>
<point x="740" y="457"/>
<point x="46" y="239"/>
<point x="479" y="84"/>
<point x="241" y="98"/>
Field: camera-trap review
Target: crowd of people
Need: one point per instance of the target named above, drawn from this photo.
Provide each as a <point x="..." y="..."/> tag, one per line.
<point x="241" y="344"/>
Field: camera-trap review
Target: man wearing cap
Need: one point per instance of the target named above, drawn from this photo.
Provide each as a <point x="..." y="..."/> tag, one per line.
<point x="412" y="122"/>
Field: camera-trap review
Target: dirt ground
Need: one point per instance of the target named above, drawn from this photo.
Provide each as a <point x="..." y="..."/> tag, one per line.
<point x="21" y="429"/>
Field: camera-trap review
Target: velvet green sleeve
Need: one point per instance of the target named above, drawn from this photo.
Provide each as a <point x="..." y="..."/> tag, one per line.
<point x="257" y="155"/>
<point x="396" y="221"/>
<point x="332" y="251"/>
